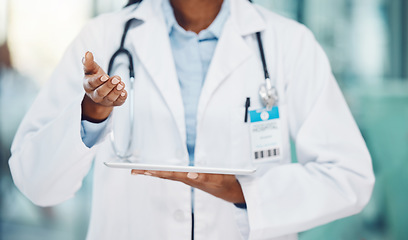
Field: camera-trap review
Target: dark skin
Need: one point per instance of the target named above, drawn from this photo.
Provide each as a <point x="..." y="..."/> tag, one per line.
<point x="103" y="93"/>
<point x="195" y="15"/>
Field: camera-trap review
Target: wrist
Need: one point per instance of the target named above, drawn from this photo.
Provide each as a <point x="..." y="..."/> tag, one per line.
<point x="94" y="112"/>
<point x="235" y="194"/>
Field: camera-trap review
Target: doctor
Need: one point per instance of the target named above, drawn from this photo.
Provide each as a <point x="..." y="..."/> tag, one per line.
<point x="196" y="63"/>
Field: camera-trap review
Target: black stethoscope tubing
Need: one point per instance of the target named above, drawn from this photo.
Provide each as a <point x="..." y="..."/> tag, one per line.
<point x="123" y="50"/>
<point x="267" y="92"/>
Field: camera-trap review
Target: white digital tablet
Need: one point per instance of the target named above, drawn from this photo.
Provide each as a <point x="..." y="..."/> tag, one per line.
<point x="172" y="168"/>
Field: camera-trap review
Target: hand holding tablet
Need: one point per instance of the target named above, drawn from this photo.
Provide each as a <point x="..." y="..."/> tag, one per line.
<point x="175" y="168"/>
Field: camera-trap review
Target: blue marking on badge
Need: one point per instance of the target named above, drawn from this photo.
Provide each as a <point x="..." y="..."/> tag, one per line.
<point x="263" y="115"/>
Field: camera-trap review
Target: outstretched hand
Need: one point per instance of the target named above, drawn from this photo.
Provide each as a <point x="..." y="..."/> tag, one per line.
<point x="102" y="92"/>
<point x="219" y="185"/>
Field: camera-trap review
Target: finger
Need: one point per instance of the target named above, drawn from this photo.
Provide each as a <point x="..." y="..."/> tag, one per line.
<point x="99" y="94"/>
<point x="115" y="93"/>
<point x="137" y="172"/>
<point x="91" y="82"/>
<point x="197" y="180"/>
<point x="192" y="175"/>
<point x="140" y="172"/>
<point x="159" y="174"/>
<point x="201" y="180"/>
<point x="162" y="174"/>
<point x="90" y="66"/>
<point x="175" y="176"/>
<point x="193" y="179"/>
<point x="122" y="98"/>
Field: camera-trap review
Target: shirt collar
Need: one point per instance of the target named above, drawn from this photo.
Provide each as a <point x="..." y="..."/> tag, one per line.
<point x="215" y="29"/>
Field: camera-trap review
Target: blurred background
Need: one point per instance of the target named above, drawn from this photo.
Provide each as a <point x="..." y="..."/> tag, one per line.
<point x="365" y="40"/>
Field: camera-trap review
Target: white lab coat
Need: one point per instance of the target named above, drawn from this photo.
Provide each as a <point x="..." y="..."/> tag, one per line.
<point x="332" y="179"/>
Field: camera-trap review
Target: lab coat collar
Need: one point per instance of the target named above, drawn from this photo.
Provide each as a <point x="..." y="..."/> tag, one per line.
<point x="144" y="10"/>
<point x="232" y="49"/>
<point x="243" y="13"/>
<point x="246" y="17"/>
<point x="151" y="45"/>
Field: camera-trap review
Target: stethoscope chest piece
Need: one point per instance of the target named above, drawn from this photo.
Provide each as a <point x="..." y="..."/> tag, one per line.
<point x="268" y="94"/>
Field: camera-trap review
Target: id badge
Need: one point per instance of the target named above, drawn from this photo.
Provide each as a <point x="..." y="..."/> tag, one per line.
<point x="266" y="136"/>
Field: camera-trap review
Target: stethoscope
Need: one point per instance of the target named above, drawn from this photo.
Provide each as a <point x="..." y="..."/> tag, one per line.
<point x="267" y="90"/>
<point x="123" y="51"/>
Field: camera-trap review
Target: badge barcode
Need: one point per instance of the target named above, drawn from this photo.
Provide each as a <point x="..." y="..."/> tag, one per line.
<point x="267" y="153"/>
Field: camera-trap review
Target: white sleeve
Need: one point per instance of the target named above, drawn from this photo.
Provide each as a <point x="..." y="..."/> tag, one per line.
<point x="49" y="159"/>
<point x="333" y="177"/>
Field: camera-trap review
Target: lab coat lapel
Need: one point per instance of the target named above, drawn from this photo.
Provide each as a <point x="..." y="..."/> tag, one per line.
<point x="152" y="47"/>
<point x="232" y="50"/>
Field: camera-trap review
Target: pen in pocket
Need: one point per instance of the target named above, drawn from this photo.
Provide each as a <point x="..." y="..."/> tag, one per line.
<point x="247" y="105"/>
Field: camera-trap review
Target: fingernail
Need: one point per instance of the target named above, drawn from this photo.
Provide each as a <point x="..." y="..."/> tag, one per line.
<point x="119" y="87"/>
<point x="83" y="60"/>
<point x="104" y="78"/>
<point x="115" y="80"/>
<point x="148" y="174"/>
<point x="192" y="175"/>
<point x="122" y="94"/>
<point x="136" y="172"/>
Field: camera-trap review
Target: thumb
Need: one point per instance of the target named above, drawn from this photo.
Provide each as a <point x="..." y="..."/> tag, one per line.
<point x="90" y="66"/>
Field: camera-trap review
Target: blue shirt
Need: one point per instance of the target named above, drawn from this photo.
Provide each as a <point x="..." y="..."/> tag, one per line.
<point x="192" y="55"/>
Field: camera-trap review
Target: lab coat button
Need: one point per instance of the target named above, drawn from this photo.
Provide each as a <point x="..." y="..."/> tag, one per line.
<point x="179" y="215"/>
